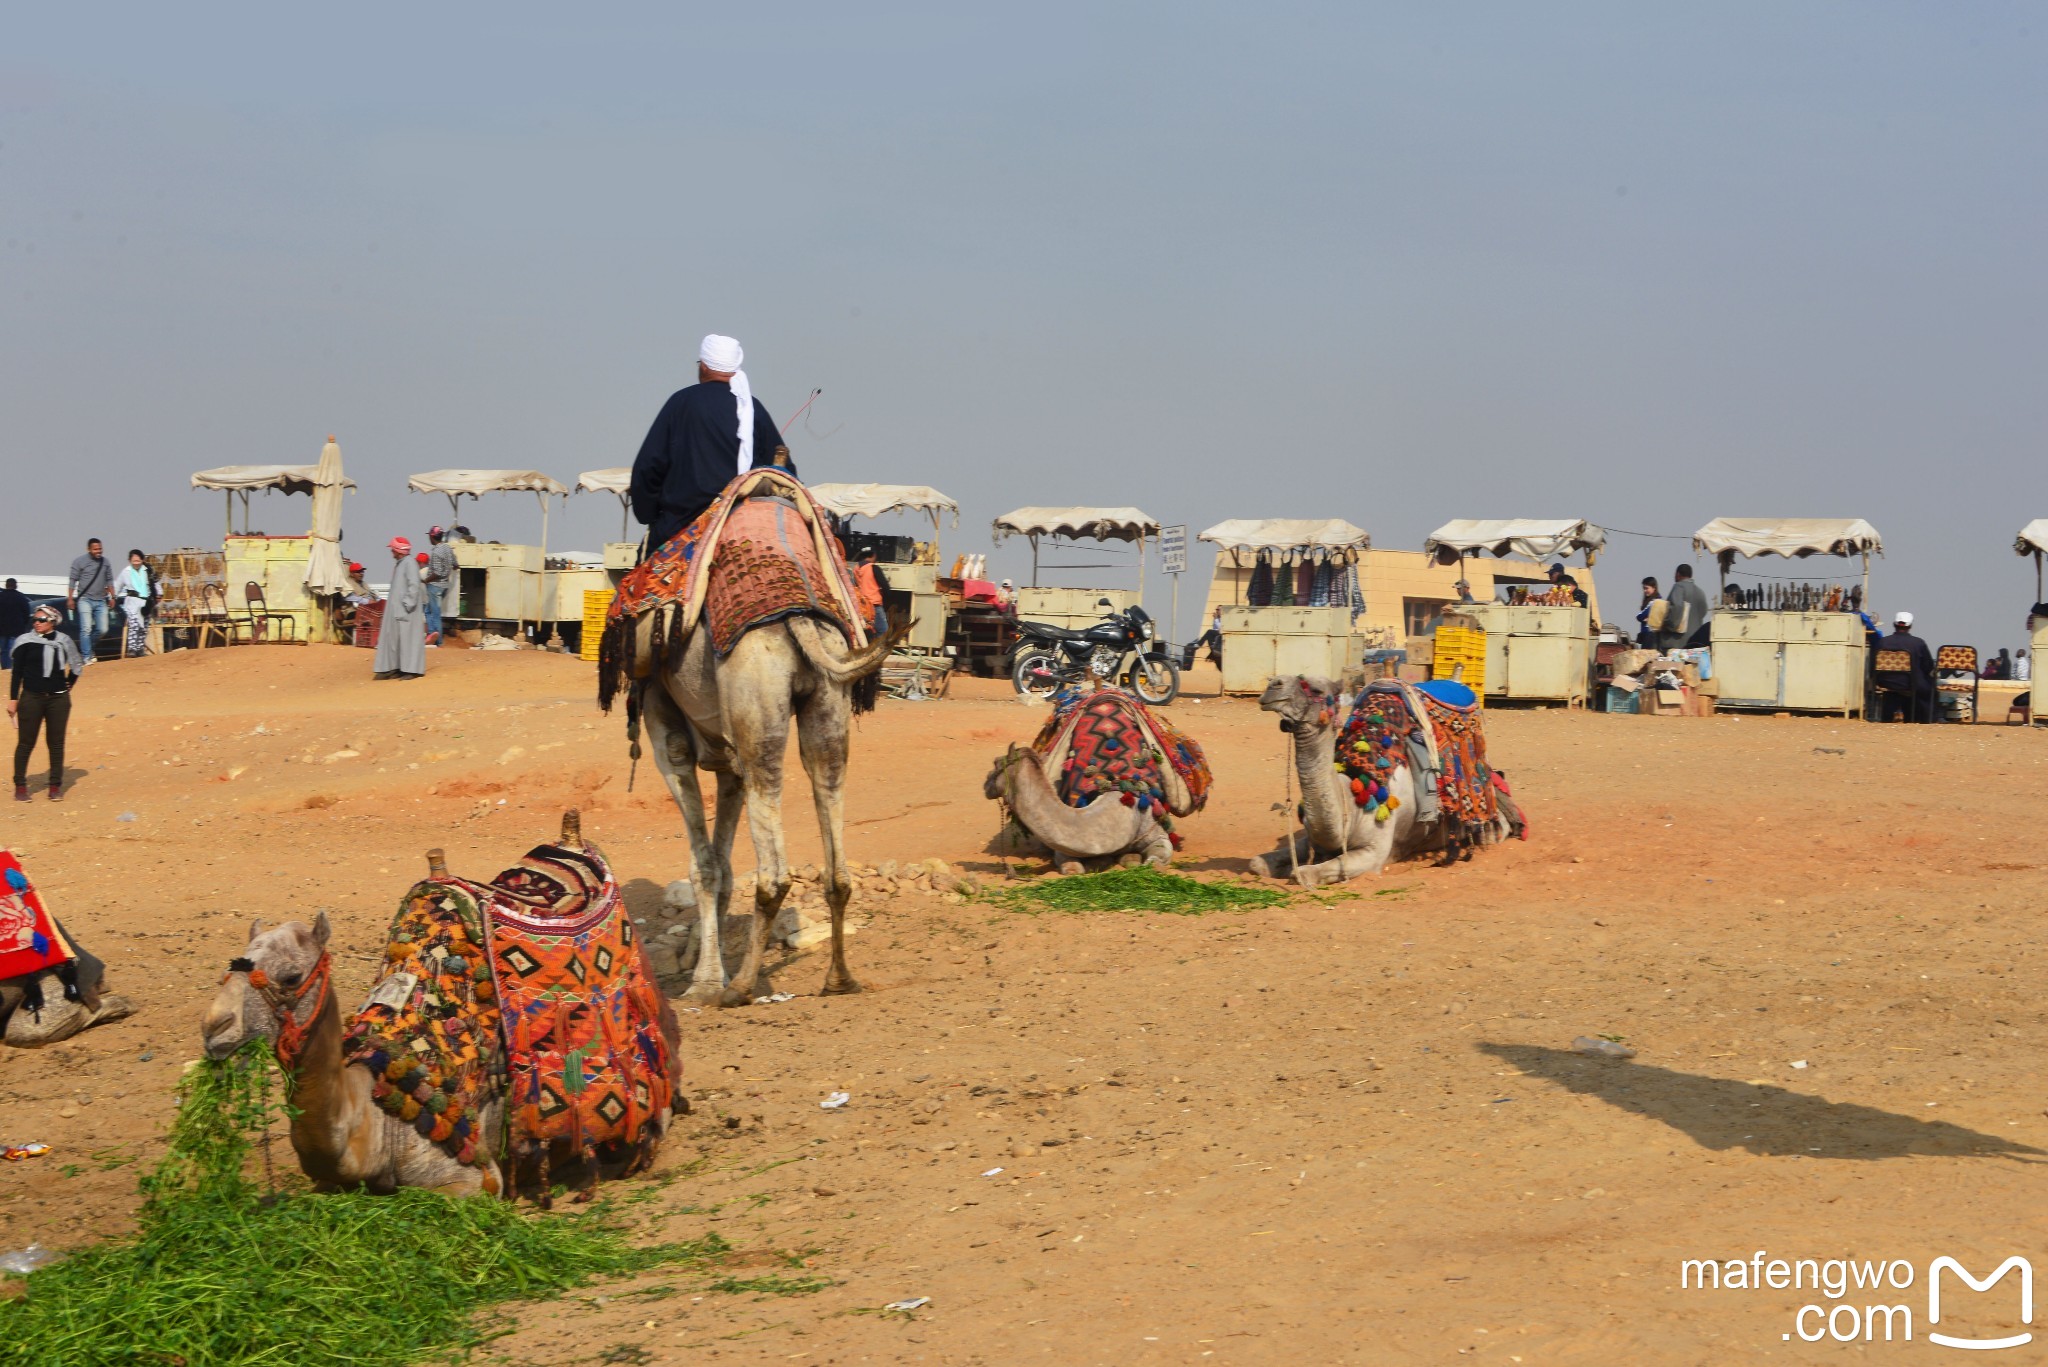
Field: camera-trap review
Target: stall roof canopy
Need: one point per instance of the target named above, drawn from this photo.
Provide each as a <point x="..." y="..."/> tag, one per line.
<point x="1535" y="538"/>
<point x="293" y="479"/>
<point x="613" y="481"/>
<point x="475" y="482"/>
<point x="1788" y="536"/>
<point x="1101" y="524"/>
<point x="1287" y="534"/>
<point x="872" y="500"/>
<point x="2033" y="537"/>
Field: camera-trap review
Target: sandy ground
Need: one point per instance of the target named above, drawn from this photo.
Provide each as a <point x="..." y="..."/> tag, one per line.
<point x="1349" y="1130"/>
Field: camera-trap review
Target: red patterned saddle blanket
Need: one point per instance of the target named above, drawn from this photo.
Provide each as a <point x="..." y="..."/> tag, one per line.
<point x="531" y="988"/>
<point x="1108" y="741"/>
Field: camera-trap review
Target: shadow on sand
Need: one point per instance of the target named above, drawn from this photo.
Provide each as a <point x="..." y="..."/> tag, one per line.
<point x="1719" y="1113"/>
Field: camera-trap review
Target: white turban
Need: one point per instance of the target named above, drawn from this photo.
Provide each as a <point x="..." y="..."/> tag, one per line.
<point x="723" y="355"/>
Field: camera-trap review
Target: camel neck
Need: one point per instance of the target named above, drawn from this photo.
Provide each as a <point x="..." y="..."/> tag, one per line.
<point x="1315" y="750"/>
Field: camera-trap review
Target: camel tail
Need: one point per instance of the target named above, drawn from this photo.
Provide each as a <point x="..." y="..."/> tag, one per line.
<point x="860" y="668"/>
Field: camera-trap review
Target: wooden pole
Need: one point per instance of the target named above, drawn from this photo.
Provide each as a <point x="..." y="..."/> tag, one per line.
<point x="1034" y="560"/>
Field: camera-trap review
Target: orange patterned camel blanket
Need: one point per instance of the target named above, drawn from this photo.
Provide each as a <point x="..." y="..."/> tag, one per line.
<point x="761" y="553"/>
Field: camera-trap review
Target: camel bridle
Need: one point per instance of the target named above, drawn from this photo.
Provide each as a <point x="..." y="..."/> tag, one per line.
<point x="284" y="1003"/>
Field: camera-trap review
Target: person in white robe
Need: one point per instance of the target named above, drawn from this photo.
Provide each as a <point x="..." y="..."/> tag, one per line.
<point x="402" y="635"/>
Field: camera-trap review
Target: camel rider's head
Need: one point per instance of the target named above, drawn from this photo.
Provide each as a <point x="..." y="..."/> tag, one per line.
<point x="718" y="359"/>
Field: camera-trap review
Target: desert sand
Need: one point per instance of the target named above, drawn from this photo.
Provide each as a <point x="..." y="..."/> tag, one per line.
<point x="1348" y="1130"/>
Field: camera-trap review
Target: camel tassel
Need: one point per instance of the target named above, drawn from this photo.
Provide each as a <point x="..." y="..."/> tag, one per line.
<point x="437" y="863"/>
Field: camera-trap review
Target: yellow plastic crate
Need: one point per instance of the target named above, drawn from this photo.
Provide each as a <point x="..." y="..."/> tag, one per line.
<point x="596" y="606"/>
<point x="1461" y="652"/>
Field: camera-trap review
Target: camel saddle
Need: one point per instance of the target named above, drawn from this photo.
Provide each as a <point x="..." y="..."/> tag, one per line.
<point x="762" y="553"/>
<point x="1107" y="740"/>
<point x="1395" y="725"/>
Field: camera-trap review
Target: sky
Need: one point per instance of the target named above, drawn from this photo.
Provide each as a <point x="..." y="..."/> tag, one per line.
<point x="1648" y="265"/>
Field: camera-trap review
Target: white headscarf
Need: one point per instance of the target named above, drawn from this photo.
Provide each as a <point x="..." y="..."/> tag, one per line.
<point x="723" y="355"/>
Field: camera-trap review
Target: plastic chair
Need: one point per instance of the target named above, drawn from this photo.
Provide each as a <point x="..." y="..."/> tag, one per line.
<point x="260" y="616"/>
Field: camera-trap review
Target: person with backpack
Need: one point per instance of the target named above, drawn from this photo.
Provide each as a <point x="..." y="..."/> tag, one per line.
<point x="1650" y="619"/>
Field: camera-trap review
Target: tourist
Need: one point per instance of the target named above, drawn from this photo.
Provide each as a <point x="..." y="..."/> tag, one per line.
<point x="702" y="440"/>
<point x="135" y="591"/>
<point x="402" y="633"/>
<point x="92" y="579"/>
<point x="439" y="577"/>
<point x="1685" y="620"/>
<point x="39" y="682"/>
<point x="2000" y="668"/>
<point x="14" y="611"/>
<point x="2022" y="667"/>
<point x="1649" y="617"/>
<point x="1909" y="690"/>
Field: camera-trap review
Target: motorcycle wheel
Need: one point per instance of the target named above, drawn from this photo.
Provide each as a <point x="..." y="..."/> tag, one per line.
<point x="1156" y="680"/>
<point x="1027" y="665"/>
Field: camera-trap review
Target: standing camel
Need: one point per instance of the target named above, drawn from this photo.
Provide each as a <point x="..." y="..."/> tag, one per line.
<point x="732" y="717"/>
<point x="1339" y="840"/>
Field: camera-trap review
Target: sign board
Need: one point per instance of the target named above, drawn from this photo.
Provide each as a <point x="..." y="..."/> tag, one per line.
<point x="1173" y="549"/>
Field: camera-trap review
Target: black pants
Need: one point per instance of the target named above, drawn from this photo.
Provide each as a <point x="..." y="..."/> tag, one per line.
<point x="1912" y="706"/>
<point x="36" y="712"/>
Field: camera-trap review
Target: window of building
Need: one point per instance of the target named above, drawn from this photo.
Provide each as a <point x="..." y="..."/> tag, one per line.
<point x="1418" y="615"/>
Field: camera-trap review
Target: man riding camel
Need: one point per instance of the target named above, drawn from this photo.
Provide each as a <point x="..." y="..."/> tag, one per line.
<point x="703" y="438"/>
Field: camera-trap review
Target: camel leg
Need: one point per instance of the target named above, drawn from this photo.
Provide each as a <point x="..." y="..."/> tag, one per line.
<point x="1280" y="863"/>
<point x="1155" y="848"/>
<point x="758" y="722"/>
<point x="1346" y="866"/>
<point x="675" y="759"/>
<point x="822" y="723"/>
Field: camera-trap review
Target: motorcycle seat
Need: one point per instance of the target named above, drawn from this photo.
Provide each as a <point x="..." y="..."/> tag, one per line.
<point x="1050" y="632"/>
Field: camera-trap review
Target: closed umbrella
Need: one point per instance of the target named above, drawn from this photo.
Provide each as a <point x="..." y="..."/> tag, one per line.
<point x="326" y="572"/>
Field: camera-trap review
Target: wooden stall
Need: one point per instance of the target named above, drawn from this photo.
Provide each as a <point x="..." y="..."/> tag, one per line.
<point x="910" y="568"/>
<point x="1790" y="647"/>
<point x="1539" y="642"/>
<point x="1075" y="608"/>
<point x="1295" y="610"/>
<point x="498" y="584"/>
<point x="277" y="564"/>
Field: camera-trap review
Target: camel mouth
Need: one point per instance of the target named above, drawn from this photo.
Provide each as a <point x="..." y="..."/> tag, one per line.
<point x="1286" y="726"/>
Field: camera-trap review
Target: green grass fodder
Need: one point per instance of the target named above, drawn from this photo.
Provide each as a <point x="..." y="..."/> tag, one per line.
<point x="1144" y="888"/>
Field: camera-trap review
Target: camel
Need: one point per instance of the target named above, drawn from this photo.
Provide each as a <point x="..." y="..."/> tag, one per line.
<point x="343" y="1138"/>
<point x="1043" y="824"/>
<point x="732" y="717"/>
<point x="1339" y="839"/>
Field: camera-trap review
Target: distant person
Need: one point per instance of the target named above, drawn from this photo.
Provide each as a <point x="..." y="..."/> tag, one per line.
<point x="1212" y="639"/>
<point x="14" y="613"/>
<point x="92" y="579"/>
<point x="1909" y="690"/>
<point x="2003" y="665"/>
<point x="439" y="577"/>
<point x="1464" y="588"/>
<point x="134" y="590"/>
<point x="1685" y="620"/>
<point x="1006" y="594"/>
<point x="1570" y="584"/>
<point x="2022" y="667"/>
<point x="402" y="633"/>
<point x="39" y="682"/>
<point x="1650" y="616"/>
<point x="705" y="437"/>
<point x="868" y="588"/>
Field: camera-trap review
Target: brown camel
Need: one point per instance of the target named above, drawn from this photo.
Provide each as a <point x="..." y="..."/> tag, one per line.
<point x="1339" y="840"/>
<point x="732" y="717"/>
<point x="1105" y="828"/>
<point x="343" y="1138"/>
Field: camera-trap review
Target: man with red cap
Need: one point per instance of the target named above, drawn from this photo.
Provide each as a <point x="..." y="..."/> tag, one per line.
<point x="402" y="635"/>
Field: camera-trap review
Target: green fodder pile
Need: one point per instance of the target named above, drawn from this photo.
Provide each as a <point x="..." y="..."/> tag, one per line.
<point x="222" y="1274"/>
<point x="1144" y="888"/>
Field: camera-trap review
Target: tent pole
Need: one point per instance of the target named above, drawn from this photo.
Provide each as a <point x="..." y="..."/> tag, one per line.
<point x="2037" y="576"/>
<point x="1141" y="567"/>
<point x="1034" y="560"/>
<point x="625" y="516"/>
<point x="547" y="609"/>
<point x="1866" y="580"/>
<point x="231" y="513"/>
<point x="1236" y="579"/>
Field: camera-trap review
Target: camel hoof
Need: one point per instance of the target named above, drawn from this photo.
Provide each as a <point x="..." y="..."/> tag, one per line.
<point x="1258" y="868"/>
<point x="703" y="996"/>
<point x="1308" y="878"/>
<point x="735" y="995"/>
<point x="843" y="986"/>
<point x="1070" y="869"/>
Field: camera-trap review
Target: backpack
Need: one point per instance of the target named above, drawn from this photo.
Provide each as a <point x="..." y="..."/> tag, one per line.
<point x="1659" y="609"/>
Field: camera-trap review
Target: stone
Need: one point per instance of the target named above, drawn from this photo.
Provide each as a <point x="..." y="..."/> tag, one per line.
<point x="887" y="868"/>
<point x="663" y="959"/>
<point x="818" y="933"/>
<point x="679" y="896"/>
<point x="788" y="922"/>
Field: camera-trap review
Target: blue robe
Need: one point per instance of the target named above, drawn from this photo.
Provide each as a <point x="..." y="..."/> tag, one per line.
<point x="691" y="453"/>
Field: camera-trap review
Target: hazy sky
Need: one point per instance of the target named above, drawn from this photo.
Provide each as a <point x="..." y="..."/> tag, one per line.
<point x="1643" y="264"/>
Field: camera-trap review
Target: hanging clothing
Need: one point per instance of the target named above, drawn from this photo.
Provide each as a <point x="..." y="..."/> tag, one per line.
<point x="1304" y="582"/>
<point x="1259" y="592"/>
<point x="402" y="635"/>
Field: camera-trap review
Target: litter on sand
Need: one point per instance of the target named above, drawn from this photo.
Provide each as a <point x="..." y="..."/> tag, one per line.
<point x="14" y="1153"/>
<point x="775" y="997"/>
<point x="992" y="1172"/>
<point x="23" y="1261"/>
<point x="1601" y="1048"/>
<point x="835" y="1101"/>
<point x="918" y="1303"/>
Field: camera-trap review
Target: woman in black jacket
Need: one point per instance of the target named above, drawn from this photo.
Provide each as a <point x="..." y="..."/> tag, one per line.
<point x="46" y="665"/>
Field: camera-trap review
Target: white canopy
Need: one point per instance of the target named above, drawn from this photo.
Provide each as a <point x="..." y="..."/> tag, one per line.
<point x="1788" y="536"/>
<point x="1286" y="534"/>
<point x="872" y="500"/>
<point x="613" y="481"/>
<point x="474" y="482"/>
<point x="292" y="479"/>
<point x="1533" y="538"/>
<point x="2033" y="538"/>
<point x="1100" y="524"/>
<point x="326" y="571"/>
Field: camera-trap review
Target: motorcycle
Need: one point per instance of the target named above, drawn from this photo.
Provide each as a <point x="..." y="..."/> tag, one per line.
<point x="1122" y="648"/>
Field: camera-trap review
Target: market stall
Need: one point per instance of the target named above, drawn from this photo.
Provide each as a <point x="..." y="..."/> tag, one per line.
<point x="1790" y="645"/>
<point x="1076" y="608"/>
<point x="1538" y="640"/>
<point x="277" y="565"/>
<point x="623" y="554"/>
<point x="909" y="567"/>
<point x="498" y="583"/>
<point x="1296" y="609"/>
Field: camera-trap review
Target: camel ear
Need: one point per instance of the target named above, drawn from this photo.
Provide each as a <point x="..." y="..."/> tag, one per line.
<point x="256" y="927"/>
<point x="321" y="930"/>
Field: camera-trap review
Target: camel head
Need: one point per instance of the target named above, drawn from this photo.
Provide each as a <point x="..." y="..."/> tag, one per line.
<point x="996" y="786"/>
<point x="278" y="964"/>
<point x="1304" y="704"/>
